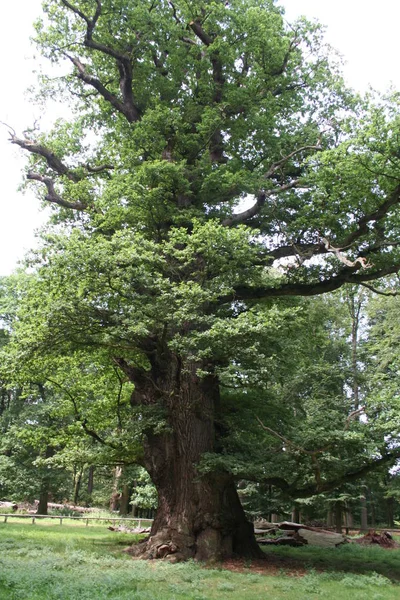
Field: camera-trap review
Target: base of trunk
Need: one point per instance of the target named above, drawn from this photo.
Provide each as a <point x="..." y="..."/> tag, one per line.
<point x="209" y="544"/>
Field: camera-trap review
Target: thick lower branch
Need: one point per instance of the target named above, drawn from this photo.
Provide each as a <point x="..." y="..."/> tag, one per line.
<point x="373" y="217"/>
<point x="52" y="196"/>
<point x="346" y="275"/>
<point x="53" y="162"/>
<point x="126" y="108"/>
<point x="256" y="208"/>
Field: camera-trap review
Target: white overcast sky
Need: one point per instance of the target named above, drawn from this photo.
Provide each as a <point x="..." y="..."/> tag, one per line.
<point x="366" y="33"/>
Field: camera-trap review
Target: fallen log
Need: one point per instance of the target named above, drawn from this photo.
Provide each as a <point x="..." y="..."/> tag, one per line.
<point x="323" y="539"/>
<point x="297" y="534"/>
<point x="280" y="541"/>
<point x="72" y="507"/>
<point x="12" y="505"/>
<point x="123" y="529"/>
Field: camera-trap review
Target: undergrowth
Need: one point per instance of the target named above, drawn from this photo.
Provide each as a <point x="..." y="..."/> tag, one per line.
<point x="39" y="562"/>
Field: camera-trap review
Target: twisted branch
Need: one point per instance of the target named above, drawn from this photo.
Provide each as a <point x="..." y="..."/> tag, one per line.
<point x="127" y="106"/>
<point x="52" y="196"/>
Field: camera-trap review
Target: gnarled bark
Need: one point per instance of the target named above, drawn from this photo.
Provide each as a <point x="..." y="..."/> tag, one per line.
<point x="199" y="515"/>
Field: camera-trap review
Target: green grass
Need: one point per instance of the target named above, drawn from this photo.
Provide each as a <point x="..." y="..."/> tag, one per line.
<point x="38" y="562"/>
<point x="350" y="558"/>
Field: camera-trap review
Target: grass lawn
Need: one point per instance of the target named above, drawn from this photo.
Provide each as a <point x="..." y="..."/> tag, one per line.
<point x="42" y="562"/>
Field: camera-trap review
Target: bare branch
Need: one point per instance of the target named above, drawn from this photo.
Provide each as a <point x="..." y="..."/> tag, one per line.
<point x="346" y="275"/>
<point x="293" y="44"/>
<point x="128" y="110"/>
<point x="257" y="206"/>
<point x="331" y="484"/>
<point x="262" y="194"/>
<point x="99" y="168"/>
<point x="174" y="13"/>
<point x="352" y="415"/>
<point x="285" y="440"/>
<point x="53" y="162"/>
<point x="52" y="195"/>
<point x="304" y="251"/>
<point x="123" y="61"/>
<point x="275" y="166"/>
<point x="249" y="213"/>
<point x="188" y="41"/>
<point x="11" y="129"/>
<point x="197" y="29"/>
<point x="380" y="292"/>
<point x="343" y="259"/>
<point x="93" y="22"/>
<point x="377" y="215"/>
<point x="76" y="11"/>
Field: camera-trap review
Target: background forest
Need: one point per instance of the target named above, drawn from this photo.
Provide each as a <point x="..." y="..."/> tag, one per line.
<point x="330" y="396"/>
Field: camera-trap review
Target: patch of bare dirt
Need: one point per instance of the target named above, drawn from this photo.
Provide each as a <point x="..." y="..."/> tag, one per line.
<point x="273" y="565"/>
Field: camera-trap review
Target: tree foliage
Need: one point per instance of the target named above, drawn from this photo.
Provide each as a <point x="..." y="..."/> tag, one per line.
<point x="215" y="166"/>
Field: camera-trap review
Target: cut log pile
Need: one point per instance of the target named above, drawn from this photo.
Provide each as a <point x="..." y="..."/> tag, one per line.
<point x="124" y="529"/>
<point x="384" y="538"/>
<point x="296" y="534"/>
<point x="11" y="505"/>
<point x="72" y="507"/>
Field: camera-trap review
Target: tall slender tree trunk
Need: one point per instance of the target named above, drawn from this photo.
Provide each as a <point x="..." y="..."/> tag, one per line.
<point x="124" y="499"/>
<point x="77" y="485"/>
<point x="199" y="513"/>
<point x="349" y="519"/>
<point x="364" y="510"/>
<point x="296" y="514"/>
<point x="329" y="518"/>
<point x="42" y="508"/>
<point x="390" y="511"/>
<point x="114" y="500"/>
<point x="372" y="507"/>
<point x="338" y="516"/>
<point x="90" y="482"/>
<point x="355" y="307"/>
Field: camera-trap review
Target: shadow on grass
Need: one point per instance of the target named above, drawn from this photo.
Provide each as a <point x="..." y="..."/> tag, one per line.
<point x="350" y="558"/>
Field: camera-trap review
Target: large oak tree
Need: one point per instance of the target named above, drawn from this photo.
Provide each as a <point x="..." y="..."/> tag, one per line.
<point x="215" y="164"/>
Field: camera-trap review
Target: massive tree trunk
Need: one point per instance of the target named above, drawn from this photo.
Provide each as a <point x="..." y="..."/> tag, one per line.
<point x="199" y="514"/>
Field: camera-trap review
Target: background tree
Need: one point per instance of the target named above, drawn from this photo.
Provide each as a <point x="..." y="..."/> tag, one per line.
<point x="183" y="111"/>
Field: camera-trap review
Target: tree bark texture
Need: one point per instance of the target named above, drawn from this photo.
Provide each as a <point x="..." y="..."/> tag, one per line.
<point x="338" y="516"/>
<point x="364" y="510"/>
<point x="115" y="495"/>
<point x="77" y="485"/>
<point x="390" y="505"/>
<point x="42" y="508"/>
<point x="44" y="493"/>
<point x="124" y="505"/>
<point x="296" y="514"/>
<point x="199" y="515"/>
<point x="90" y="481"/>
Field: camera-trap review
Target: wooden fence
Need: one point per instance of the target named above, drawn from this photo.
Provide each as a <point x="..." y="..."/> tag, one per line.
<point x="61" y="518"/>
